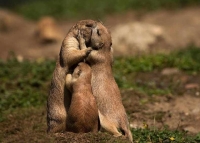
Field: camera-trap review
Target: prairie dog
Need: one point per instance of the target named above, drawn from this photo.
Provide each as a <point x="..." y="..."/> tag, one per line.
<point x="83" y="112"/>
<point x="112" y="114"/>
<point x="71" y="53"/>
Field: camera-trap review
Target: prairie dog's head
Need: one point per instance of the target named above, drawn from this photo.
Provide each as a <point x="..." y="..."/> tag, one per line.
<point x="101" y="37"/>
<point x="82" y="71"/>
<point x="85" y="26"/>
<point x="82" y="74"/>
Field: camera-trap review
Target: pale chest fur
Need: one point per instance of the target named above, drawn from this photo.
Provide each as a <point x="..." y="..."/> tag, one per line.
<point x="71" y="42"/>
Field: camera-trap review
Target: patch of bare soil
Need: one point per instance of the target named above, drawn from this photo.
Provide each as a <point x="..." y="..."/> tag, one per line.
<point x="89" y="138"/>
<point x="182" y="112"/>
<point x="29" y="125"/>
<point x="179" y="109"/>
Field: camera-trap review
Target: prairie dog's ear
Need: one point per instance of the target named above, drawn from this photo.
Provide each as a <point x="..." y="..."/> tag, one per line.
<point x="90" y="23"/>
<point x="77" y="72"/>
<point x="75" y="30"/>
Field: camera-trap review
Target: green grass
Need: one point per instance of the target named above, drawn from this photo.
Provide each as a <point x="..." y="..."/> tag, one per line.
<point x="89" y="8"/>
<point x="163" y="136"/>
<point x="126" y="69"/>
<point x="186" y="60"/>
<point x="25" y="85"/>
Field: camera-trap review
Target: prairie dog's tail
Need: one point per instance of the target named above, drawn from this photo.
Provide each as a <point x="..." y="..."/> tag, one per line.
<point x="108" y="125"/>
<point x="125" y="129"/>
<point x="128" y="134"/>
<point x="111" y="127"/>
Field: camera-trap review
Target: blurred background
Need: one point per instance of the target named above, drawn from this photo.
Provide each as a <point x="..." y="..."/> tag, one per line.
<point x="137" y="27"/>
<point x="157" y="65"/>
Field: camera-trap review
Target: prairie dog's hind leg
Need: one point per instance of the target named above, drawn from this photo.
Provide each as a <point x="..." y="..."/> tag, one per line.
<point x="56" y="123"/>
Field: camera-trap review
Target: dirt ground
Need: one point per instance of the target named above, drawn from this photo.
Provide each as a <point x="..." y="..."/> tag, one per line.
<point x="181" y="110"/>
<point x="175" y="112"/>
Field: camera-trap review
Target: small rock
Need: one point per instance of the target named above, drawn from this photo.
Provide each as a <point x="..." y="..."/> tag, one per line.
<point x="187" y="114"/>
<point x="133" y="125"/>
<point x="136" y="125"/>
<point x="20" y="58"/>
<point x="192" y="86"/>
<point x="191" y="129"/>
<point x="135" y="37"/>
<point x="170" y="71"/>
<point x="196" y="111"/>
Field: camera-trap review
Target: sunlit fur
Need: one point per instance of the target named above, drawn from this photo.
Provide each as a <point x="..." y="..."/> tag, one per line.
<point x="107" y="94"/>
<point x="83" y="112"/>
<point x="59" y="97"/>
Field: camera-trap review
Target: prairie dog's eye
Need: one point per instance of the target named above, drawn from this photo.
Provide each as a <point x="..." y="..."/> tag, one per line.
<point x="98" y="32"/>
<point x="111" y="44"/>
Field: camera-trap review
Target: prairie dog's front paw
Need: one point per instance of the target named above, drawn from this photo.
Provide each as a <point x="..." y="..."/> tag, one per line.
<point x="68" y="80"/>
<point x="88" y="50"/>
<point x="81" y="39"/>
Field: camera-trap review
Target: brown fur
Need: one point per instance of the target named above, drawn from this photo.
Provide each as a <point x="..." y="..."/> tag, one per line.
<point x="107" y="94"/>
<point x="71" y="53"/>
<point x="83" y="112"/>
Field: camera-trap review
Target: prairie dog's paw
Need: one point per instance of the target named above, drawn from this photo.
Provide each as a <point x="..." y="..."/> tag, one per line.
<point x="92" y="54"/>
<point x="80" y="37"/>
<point x="88" y="50"/>
<point x="68" y="81"/>
<point x="68" y="78"/>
